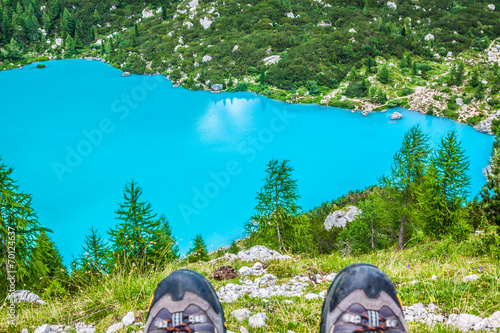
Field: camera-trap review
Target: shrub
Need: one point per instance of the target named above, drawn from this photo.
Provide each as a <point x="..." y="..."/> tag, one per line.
<point x="406" y="91"/>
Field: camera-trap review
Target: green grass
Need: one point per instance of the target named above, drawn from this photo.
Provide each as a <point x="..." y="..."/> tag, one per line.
<point x="106" y="303"/>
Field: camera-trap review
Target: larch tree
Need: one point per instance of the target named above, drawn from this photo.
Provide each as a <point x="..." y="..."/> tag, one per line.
<point x="407" y="174"/>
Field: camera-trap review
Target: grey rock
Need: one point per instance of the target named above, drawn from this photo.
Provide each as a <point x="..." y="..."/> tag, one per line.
<point x="24" y="330"/>
<point x="341" y="217"/>
<point x="45" y="328"/>
<point x="494" y="320"/>
<point x="396" y="116"/>
<point x="128" y="319"/>
<point x="125" y="74"/>
<point x="472" y="277"/>
<point x="365" y="113"/>
<point x="243" y="329"/>
<point x="241" y="314"/>
<point x="257" y="320"/>
<point x="25" y="296"/>
<point x="115" y="327"/>
<point x="311" y="296"/>
<point x="216" y="87"/>
<point x="464" y="321"/>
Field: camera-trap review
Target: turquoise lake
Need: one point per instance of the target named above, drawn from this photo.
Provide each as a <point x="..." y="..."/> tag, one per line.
<point x="76" y="132"/>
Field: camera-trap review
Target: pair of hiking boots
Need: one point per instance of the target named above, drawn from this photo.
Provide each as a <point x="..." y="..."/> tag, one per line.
<point x="361" y="298"/>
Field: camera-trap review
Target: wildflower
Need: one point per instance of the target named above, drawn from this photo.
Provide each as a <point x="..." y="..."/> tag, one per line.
<point x="408" y="266"/>
<point x="480" y="268"/>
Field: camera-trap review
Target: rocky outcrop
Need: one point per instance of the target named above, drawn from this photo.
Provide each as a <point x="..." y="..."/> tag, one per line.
<point x="484" y="126"/>
<point x="274" y="59"/>
<point x="339" y="218"/>
<point x="396" y="116"/>
<point x="216" y="87"/>
<point x="25" y="296"/>
<point x="255" y="253"/>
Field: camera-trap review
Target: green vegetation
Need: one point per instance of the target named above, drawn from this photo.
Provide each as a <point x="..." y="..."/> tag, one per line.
<point x="418" y="209"/>
<point x="316" y="45"/>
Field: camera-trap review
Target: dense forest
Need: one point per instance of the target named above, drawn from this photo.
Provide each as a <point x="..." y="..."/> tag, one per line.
<point x="331" y="52"/>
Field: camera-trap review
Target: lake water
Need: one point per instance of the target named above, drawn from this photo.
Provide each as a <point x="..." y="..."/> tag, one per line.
<point x="76" y="132"/>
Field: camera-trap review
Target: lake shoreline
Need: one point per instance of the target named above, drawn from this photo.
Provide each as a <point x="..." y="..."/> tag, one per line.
<point x="417" y="101"/>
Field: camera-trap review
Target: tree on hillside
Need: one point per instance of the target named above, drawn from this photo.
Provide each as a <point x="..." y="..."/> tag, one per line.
<point x="407" y="174"/>
<point x="94" y="260"/>
<point x="383" y="75"/>
<point x="164" y="246"/>
<point x="199" y="250"/>
<point x="133" y="239"/>
<point x="19" y="229"/>
<point x="445" y="188"/>
<point x="277" y="222"/>
<point x="491" y="192"/>
<point x="46" y="264"/>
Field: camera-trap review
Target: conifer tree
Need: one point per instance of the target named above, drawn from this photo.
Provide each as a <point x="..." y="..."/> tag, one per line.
<point x="199" y="250"/>
<point x="69" y="23"/>
<point x="19" y="227"/>
<point x="132" y="240"/>
<point x="164" y="247"/>
<point x="262" y="79"/>
<point x="276" y="220"/>
<point x="383" y="75"/>
<point x="94" y="260"/>
<point x="46" y="263"/>
<point x="407" y="174"/>
<point x="474" y="80"/>
<point x="70" y="45"/>
<point x="445" y="188"/>
<point x="96" y="17"/>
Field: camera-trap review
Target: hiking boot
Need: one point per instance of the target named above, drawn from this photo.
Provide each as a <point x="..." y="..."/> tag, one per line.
<point x="362" y="298"/>
<point x="185" y="301"/>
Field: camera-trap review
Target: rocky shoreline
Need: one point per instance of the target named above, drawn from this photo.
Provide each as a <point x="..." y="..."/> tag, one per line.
<point x="419" y="101"/>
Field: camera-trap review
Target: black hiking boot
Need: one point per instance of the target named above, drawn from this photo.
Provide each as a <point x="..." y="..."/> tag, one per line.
<point x="362" y="298"/>
<point x="185" y="301"/>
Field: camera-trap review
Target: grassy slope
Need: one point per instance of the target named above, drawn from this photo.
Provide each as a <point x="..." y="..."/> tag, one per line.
<point x="106" y="304"/>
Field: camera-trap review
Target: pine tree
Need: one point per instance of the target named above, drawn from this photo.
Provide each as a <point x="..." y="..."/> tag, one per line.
<point x="407" y="174"/>
<point x="164" y="247"/>
<point x="292" y="40"/>
<point x="69" y="23"/>
<point x="19" y="228"/>
<point x="164" y="12"/>
<point x="133" y="239"/>
<point x="199" y="250"/>
<point x="446" y="187"/>
<point x="96" y="17"/>
<point x="55" y="9"/>
<point x="276" y="208"/>
<point x="46" y="263"/>
<point x="383" y="75"/>
<point x="474" y="80"/>
<point x="262" y="79"/>
<point x="353" y="74"/>
<point x="70" y="45"/>
<point x="94" y="260"/>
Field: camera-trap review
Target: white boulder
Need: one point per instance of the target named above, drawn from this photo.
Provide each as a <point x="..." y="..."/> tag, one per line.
<point x="429" y="37"/>
<point x="491" y="6"/>
<point x="290" y="15"/>
<point x="115" y="327"/>
<point x="274" y="59"/>
<point x="396" y="116"/>
<point x="205" y="22"/>
<point x="257" y="320"/>
<point x="193" y="3"/>
<point x="241" y="314"/>
<point x="472" y="277"/>
<point x="391" y="5"/>
<point x="494" y="320"/>
<point x="45" y="328"/>
<point x="339" y="218"/>
<point x="352" y="30"/>
<point x="147" y="13"/>
<point x="206" y="58"/>
<point x="128" y="319"/>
